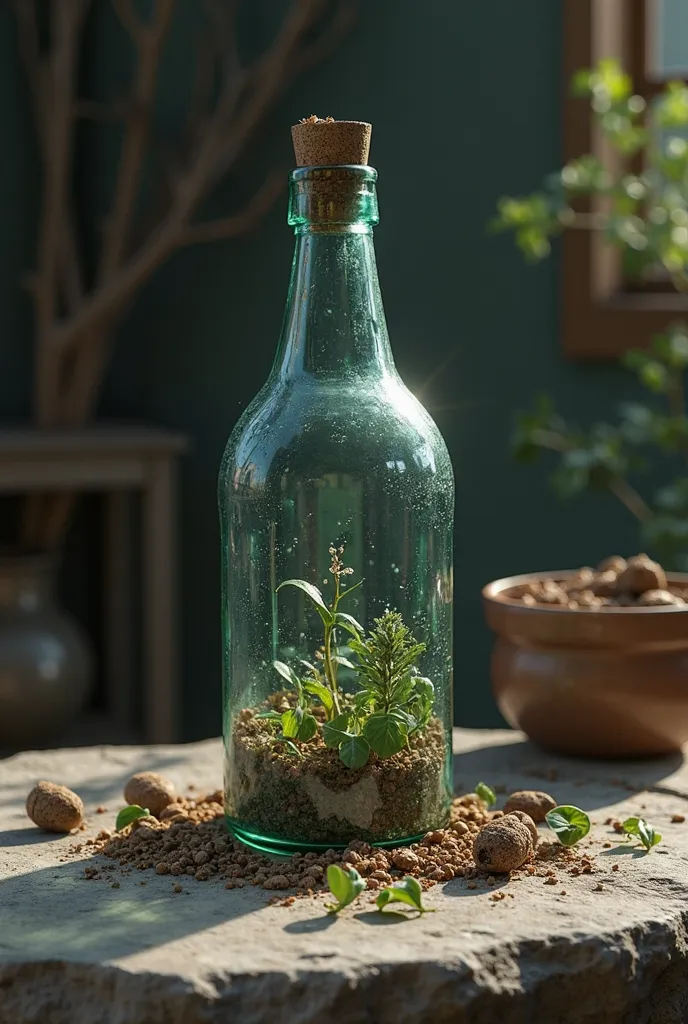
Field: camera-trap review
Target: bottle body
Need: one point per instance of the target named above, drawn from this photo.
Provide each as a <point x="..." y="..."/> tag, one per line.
<point x="334" y="455"/>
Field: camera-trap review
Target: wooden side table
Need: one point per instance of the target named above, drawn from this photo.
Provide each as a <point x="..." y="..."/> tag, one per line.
<point x="119" y="461"/>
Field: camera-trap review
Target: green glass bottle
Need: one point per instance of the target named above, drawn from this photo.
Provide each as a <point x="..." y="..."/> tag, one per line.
<point x="336" y="483"/>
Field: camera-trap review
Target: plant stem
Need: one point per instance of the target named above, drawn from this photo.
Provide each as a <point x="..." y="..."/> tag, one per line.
<point x="629" y="497"/>
<point x="619" y="487"/>
<point x="330" y="665"/>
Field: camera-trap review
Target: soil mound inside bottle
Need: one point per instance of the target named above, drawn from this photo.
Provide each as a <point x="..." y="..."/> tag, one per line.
<point x="316" y="799"/>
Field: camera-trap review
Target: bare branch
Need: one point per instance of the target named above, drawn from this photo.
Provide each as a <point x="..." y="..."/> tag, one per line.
<point x="149" y="43"/>
<point x="341" y="24"/>
<point x="89" y="362"/>
<point x="63" y="61"/>
<point x="241" y="222"/>
<point x="69" y="270"/>
<point x="214" y="158"/>
<point x="131" y="21"/>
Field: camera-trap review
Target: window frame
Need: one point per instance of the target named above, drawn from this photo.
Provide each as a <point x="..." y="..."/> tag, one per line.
<point x="600" y="318"/>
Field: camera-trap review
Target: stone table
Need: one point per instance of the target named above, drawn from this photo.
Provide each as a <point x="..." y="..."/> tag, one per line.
<point x="75" y="951"/>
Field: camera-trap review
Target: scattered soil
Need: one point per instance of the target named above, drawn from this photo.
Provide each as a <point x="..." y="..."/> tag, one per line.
<point x="195" y="845"/>
<point x="316" y="799"/>
<point x="637" y="582"/>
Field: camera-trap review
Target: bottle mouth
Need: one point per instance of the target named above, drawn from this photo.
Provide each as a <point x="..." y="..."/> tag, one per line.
<point x="333" y="198"/>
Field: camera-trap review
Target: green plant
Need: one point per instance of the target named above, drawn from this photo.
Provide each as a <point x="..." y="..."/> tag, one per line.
<point x="392" y="700"/>
<point x="344" y="885"/>
<point x="643" y="830"/>
<point x="128" y="814"/>
<point x="407" y="891"/>
<point x="487" y="795"/>
<point x="570" y="824"/>
<point x="645" y="215"/>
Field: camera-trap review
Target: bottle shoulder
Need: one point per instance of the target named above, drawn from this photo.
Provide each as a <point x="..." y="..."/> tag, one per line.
<point x="372" y="421"/>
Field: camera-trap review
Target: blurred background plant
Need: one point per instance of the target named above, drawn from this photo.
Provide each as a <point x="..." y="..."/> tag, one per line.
<point x="87" y="276"/>
<point x="639" y="202"/>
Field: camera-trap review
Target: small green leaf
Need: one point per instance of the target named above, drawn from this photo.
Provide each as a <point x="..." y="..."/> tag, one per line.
<point x="336" y="731"/>
<point x="344" y="661"/>
<point x="643" y="830"/>
<point x="129" y="814"/>
<point x="354" y="751"/>
<point x="345" y="886"/>
<point x="287" y="673"/>
<point x="291" y="746"/>
<point x="569" y="823"/>
<point x="487" y="795"/>
<point x="349" y="623"/>
<point x="271" y="716"/>
<point x="386" y="734"/>
<point x="322" y="692"/>
<point x="308" y="728"/>
<point x="315" y="596"/>
<point x="291" y="722"/>
<point x="407" y="891"/>
<point x="350" y="590"/>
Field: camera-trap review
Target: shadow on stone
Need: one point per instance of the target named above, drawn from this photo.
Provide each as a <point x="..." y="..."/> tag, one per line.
<point x="519" y="764"/>
<point x="31" y="836"/>
<point x="315" y="924"/>
<point x="55" y="913"/>
<point x="384" y="918"/>
<point x="616" y="851"/>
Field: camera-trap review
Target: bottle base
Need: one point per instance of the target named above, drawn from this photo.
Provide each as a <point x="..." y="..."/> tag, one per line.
<point x="285" y="848"/>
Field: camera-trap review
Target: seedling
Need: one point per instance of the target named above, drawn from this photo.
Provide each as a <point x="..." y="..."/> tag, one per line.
<point x="570" y="824"/>
<point x="128" y="814"/>
<point x="407" y="891"/>
<point x="487" y="795"/>
<point x="643" y="830"/>
<point x="345" y="886"/>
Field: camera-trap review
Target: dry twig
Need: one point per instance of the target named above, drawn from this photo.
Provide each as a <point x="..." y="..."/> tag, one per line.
<point x="75" y="324"/>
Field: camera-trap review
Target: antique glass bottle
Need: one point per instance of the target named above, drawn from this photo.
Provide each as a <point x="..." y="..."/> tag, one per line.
<point x="333" y="451"/>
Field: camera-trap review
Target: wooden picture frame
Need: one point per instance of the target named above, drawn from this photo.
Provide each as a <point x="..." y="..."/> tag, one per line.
<point x="601" y="316"/>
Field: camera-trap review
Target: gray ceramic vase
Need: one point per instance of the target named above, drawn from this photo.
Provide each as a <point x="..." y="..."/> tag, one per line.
<point x="45" y="659"/>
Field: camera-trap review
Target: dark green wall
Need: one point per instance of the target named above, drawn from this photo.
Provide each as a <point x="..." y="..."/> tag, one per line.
<point x="465" y="103"/>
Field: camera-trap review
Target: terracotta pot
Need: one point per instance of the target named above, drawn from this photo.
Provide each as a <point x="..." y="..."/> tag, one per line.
<point x="595" y="683"/>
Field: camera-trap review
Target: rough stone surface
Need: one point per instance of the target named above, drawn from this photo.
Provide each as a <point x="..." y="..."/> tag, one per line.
<point x="76" y="951"/>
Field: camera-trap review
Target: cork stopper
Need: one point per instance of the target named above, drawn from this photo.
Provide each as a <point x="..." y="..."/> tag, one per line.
<point x="324" y="142"/>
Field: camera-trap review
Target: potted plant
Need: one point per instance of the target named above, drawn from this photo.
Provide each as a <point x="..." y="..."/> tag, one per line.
<point x="604" y="674"/>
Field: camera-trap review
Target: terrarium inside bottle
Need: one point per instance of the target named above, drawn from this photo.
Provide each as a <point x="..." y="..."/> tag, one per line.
<point x="336" y="504"/>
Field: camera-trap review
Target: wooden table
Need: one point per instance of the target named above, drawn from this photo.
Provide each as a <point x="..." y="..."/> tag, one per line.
<point x="119" y="461"/>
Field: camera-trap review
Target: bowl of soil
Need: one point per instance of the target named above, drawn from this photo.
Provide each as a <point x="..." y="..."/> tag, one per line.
<point x="593" y="662"/>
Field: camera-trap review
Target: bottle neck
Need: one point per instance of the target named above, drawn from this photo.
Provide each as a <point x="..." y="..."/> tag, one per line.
<point x="334" y="325"/>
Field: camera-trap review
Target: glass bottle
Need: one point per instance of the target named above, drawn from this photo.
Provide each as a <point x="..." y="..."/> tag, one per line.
<point x="335" y="475"/>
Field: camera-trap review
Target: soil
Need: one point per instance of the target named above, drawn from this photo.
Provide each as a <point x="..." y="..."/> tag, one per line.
<point x="317" y="800"/>
<point x="193" y="846"/>
<point x="610" y="585"/>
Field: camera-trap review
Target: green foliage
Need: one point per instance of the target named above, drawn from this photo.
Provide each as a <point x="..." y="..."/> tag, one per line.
<point x="408" y="891"/>
<point x="129" y="814"/>
<point x="487" y="795"/>
<point x="570" y="824"/>
<point x="605" y="456"/>
<point x="643" y="830"/>
<point x="345" y="886"/>
<point x="392" y="701"/>
<point x="645" y="215"/>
